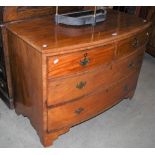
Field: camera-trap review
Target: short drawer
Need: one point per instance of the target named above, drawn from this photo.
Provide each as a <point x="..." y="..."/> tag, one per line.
<point x="68" y="89"/>
<point x="131" y="44"/>
<point x="80" y="61"/>
<point x="85" y="108"/>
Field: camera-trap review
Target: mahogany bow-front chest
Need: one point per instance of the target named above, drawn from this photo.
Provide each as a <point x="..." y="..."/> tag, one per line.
<point x="65" y="75"/>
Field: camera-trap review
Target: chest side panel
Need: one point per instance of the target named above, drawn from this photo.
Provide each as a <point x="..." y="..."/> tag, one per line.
<point x="26" y="72"/>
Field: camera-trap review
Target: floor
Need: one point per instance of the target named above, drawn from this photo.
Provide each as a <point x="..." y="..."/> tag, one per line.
<point x="128" y="124"/>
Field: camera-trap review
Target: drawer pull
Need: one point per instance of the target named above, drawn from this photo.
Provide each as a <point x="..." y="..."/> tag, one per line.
<point x="135" y="43"/>
<point x="79" y="110"/>
<point x="85" y="60"/>
<point x="1" y="70"/>
<point x="131" y="65"/>
<point x="81" y="84"/>
<point x="126" y="88"/>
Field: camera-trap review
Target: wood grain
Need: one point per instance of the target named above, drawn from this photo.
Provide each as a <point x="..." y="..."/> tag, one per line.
<point x="14" y="13"/>
<point x="71" y="63"/>
<point x="65" y="89"/>
<point x="66" y="39"/>
<point x="90" y="106"/>
<point x="131" y="44"/>
<point x="27" y="86"/>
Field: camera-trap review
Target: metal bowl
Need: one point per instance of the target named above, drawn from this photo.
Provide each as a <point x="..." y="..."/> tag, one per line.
<point x="81" y="18"/>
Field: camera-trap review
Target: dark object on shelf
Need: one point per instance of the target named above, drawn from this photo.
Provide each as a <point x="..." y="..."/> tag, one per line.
<point x="87" y="17"/>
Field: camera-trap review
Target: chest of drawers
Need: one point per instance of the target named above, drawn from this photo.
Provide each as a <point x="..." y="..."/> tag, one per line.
<point x="63" y="75"/>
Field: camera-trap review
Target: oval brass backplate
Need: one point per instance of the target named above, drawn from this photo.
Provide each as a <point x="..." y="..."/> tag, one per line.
<point x="79" y="110"/>
<point x="85" y="60"/>
<point x="135" y="43"/>
<point x="131" y="65"/>
<point x="126" y="88"/>
<point x="81" y="84"/>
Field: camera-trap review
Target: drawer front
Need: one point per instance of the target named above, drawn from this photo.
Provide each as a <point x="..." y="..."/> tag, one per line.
<point x="67" y="89"/>
<point x="80" y="61"/>
<point x="131" y="44"/>
<point x="87" y="107"/>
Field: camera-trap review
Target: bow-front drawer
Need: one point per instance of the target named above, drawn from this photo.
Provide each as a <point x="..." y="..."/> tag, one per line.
<point x="66" y="64"/>
<point x="89" y="106"/>
<point x="131" y="44"/>
<point x="77" y="86"/>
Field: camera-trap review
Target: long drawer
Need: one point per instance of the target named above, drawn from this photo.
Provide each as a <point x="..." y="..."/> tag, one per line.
<point x="87" y="107"/>
<point x="131" y="44"/>
<point x="74" y="87"/>
<point x="66" y="64"/>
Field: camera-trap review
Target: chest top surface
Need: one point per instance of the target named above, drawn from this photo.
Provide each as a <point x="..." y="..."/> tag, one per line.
<point x="47" y="37"/>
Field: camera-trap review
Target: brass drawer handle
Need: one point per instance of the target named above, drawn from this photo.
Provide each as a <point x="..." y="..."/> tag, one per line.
<point x="135" y="43"/>
<point x="126" y="88"/>
<point x="131" y="65"/>
<point x="147" y="33"/>
<point x="78" y="111"/>
<point x="81" y="84"/>
<point x="85" y="60"/>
